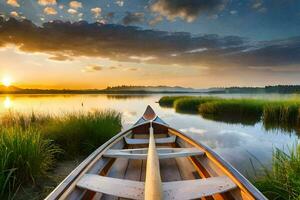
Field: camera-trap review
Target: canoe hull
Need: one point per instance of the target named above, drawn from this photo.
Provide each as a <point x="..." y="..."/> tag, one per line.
<point x="208" y="165"/>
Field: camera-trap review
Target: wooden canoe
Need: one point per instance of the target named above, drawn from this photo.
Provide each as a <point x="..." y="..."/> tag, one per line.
<point x="152" y="160"/>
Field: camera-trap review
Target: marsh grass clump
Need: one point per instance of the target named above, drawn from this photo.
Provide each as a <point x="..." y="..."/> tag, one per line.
<point x="275" y="114"/>
<point x="281" y="114"/>
<point x="191" y="104"/>
<point x="168" y="101"/>
<point x="24" y="120"/>
<point x="7" y="176"/>
<point x="283" y="181"/>
<point x="30" y="143"/>
<point x="81" y="133"/>
<point x="24" y="156"/>
<point x="246" y="111"/>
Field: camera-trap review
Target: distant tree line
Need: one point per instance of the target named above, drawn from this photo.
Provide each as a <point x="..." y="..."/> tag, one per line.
<point x="283" y="89"/>
<point x="125" y="89"/>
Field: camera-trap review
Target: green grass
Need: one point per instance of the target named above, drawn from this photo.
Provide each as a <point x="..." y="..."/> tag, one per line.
<point x="24" y="156"/>
<point x="283" y="181"/>
<point x="168" y="101"/>
<point x="81" y="133"/>
<point x="191" y="104"/>
<point x="30" y="144"/>
<point x="282" y="114"/>
<point x="247" y="111"/>
<point x="7" y="176"/>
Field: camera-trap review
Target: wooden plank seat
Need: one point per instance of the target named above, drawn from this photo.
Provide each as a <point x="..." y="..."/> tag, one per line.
<point x="163" y="153"/>
<point x="166" y="140"/>
<point x="188" y="189"/>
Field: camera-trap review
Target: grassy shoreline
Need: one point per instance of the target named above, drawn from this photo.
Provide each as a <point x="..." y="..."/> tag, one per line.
<point x="283" y="114"/>
<point x="32" y="144"/>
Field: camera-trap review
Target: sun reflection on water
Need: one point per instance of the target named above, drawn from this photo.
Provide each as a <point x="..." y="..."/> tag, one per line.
<point x="7" y="103"/>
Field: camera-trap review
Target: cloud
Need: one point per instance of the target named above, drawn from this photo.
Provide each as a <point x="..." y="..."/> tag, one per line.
<point x="60" y="57"/>
<point x="155" y="20"/>
<point x="131" y="69"/>
<point x="233" y="12"/>
<point x="47" y="2"/>
<point x="142" y="58"/>
<point x="92" y="68"/>
<point x="13" y="3"/>
<point x="194" y="130"/>
<point x="120" y="3"/>
<point x="258" y="5"/>
<point x="72" y="11"/>
<point x="96" y="11"/>
<point x="75" y="4"/>
<point x="14" y="14"/>
<point x="133" y="18"/>
<point x="50" y="11"/>
<point x="188" y="10"/>
<point x="132" y="44"/>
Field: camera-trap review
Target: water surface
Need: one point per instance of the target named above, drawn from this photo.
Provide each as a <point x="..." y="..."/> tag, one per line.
<point x="241" y="145"/>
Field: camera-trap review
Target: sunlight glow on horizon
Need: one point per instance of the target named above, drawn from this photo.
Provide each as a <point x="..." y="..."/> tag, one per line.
<point x="6" y="81"/>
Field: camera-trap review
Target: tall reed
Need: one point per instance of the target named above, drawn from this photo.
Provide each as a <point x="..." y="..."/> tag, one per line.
<point x="168" y="101"/>
<point x="248" y="111"/>
<point x="24" y="156"/>
<point x="81" y="133"/>
<point x="191" y="104"/>
<point x="282" y="114"/>
<point x="283" y="181"/>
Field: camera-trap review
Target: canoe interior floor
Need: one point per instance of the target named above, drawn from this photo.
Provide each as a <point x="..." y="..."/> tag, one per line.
<point x="172" y="169"/>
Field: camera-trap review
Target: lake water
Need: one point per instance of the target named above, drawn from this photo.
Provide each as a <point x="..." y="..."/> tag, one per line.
<point x="241" y="145"/>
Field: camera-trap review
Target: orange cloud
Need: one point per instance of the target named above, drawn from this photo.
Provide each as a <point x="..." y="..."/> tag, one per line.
<point x="72" y="11"/>
<point x="14" y="14"/>
<point x="50" y="11"/>
<point x="96" y="11"/>
<point x="13" y="3"/>
<point x="92" y="68"/>
<point x="47" y="2"/>
<point x="75" y="4"/>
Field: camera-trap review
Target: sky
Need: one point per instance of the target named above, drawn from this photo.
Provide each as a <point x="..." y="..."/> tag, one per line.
<point x="191" y="43"/>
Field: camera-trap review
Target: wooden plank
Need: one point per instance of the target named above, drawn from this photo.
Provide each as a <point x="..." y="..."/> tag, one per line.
<point x="112" y="186"/>
<point x="166" y="140"/>
<point x="169" y="170"/>
<point x="163" y="153"/>
<point x="117" y="171"/>
<point x="186" y="169"/>
<point x="177" y="190"/>
<point x="133" y="171"/>
<point x="143" y="172"/>
<point x="192" y="189"/>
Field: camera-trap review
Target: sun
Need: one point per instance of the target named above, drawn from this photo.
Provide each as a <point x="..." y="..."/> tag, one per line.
<point x="6" y="81"/>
